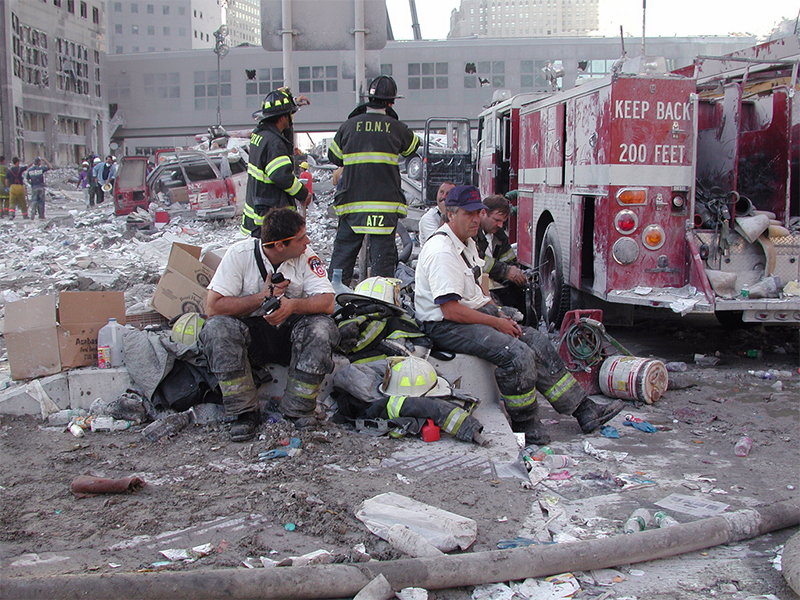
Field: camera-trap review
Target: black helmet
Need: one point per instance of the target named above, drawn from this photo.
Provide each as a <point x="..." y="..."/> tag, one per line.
<point x="276" y="103"/>
<point x="383" y="88"/>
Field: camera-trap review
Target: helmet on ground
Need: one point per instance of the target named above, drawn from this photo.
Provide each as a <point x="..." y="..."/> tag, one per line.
<point x="412" y="376"/>
<point x="383" y="88"/>
<point x="304" y="165"/>
<point x="276" y="103"/>
<point x="383" y="290"/>
<point x="186" y="329"/>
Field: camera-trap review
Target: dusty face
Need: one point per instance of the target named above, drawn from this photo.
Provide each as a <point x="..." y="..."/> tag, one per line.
<point x="492" y="222"/>
<point x="465" y="224"/>
<point x="441" y="196"/>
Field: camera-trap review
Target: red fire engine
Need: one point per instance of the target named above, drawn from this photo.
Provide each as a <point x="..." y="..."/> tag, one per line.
<point x="659" y="189"/>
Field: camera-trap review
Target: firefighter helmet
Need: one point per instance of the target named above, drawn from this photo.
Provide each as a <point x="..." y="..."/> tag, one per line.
<point x="412" y="376"/>
<point x="303" y="165"/>
<point x="383" y="88"/>
<point x="186" y="329"/>
<point x="383" y="290"/>
<point x="276" y="103"/>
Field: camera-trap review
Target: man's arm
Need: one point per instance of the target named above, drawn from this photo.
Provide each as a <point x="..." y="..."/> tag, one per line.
<point x="232" y="306"/>
<point x="458" y="313"/>
<point x="319" y="304"/>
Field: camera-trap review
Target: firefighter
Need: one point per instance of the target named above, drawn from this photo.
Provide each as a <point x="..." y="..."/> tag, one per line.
<point x="459" y="317"/>
<point x="271" y="182"/>
<point x="3" y="188"/>
<point x="254" y="320"/>
<point x="436" y="216"/>
<point x="499" y="256"/>
<point x="370" y="200"/>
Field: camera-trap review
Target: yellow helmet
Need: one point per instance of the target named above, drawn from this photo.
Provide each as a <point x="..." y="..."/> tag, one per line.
<point x="383" y="290"/>
<point x="412" y="376"/>
<point x="304" y="165"/>
<point x="186" y="330"/>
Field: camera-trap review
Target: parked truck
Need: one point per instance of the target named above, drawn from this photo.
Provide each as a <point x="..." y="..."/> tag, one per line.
<point x="671" y="190"/>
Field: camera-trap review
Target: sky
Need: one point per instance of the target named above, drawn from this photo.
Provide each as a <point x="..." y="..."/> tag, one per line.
<point x="664" y="18"/>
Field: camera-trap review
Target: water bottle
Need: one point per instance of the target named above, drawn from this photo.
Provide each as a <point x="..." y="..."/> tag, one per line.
<point x="637" y="521"/>
<point x="556" y="461"/>
<point x="662" y="519"/>
<point x="542" y="452"/>
<point x="676" y="367"/>
<point x="109" y="345"/>
<point x="166" y="426"/>
<point x="742" y="447"/>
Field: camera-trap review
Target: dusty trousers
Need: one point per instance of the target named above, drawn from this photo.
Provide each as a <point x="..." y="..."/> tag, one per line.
<point x="304" y="343"/>
<point x="382" y="257"/>
<point x="524" y="366"/>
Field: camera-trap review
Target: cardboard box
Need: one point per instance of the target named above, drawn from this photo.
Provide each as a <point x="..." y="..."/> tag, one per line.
<point x="80" y="316"/>
<point x="42" y="341"/>
<point x="182" y="287"/>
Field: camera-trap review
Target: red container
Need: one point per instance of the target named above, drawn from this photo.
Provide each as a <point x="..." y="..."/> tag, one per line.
<point x="430" y="431"/>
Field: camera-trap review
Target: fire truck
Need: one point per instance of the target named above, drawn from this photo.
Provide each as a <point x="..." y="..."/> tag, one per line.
<point x="673" y="190"/>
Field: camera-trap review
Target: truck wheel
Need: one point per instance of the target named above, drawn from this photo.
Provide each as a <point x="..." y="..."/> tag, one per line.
<point x="555" y="295"/>
<point x="414" y="167"/>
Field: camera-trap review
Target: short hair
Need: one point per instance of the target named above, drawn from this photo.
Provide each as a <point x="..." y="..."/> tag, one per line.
<point x="281" y="224"/>
<point x="446" y="183"/>
<point x="2" y="158"/>
<point x="451" y="209"/>
<point x="109" y="156"/>
<point x="15" y="160"/>
<point x="498" y="203"/>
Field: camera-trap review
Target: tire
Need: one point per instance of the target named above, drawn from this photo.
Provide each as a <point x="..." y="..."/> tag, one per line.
<point x="414" y="167"/>
<point x="732" y="319"/>
<point x="555" y="296"/>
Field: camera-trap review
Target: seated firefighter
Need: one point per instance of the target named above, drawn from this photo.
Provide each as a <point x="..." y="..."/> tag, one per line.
<point x="269" y="302"/>
<point x="459" y="317"/>
<point x="500" y="260"/>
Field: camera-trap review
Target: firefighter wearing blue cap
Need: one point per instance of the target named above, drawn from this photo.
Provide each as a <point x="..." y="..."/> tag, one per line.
<point x="271" y="181"/>
<point x="458" y="316"/>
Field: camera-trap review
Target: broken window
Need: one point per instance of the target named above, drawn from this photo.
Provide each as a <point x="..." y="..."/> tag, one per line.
<point x="485" y="74"/>
<point x="266" y="80"/>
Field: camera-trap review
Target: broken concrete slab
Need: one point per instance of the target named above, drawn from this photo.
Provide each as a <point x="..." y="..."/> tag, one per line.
<point x="87" y="385"/>
<point x="24" y="399"/>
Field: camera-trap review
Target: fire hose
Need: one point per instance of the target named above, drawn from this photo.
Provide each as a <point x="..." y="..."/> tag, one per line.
<point x="587" y="341"/>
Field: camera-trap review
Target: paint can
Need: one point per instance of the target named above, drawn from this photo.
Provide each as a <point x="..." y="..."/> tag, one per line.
<point x="633" y="378"/>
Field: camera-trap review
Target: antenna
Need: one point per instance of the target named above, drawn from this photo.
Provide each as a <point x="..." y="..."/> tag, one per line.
<point x="644" y="13"/>
<point x="622" y="40"/>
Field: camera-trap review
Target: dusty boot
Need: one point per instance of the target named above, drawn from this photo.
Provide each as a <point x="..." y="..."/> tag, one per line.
<point x="300" y="399"/>
<point x="591" y="414"/>
<point x="245" y="426"/>
<point x="530" y="425"/>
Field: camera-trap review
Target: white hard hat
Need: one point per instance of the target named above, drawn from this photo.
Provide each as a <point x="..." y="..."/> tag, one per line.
<point x="97" y="160"/>
<point x="186" y="329"/>
<point x="412" y="376"/>
<point x="383" y="290"/>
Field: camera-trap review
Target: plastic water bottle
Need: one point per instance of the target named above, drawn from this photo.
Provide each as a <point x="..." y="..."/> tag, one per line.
<point x="742" y="447"/>
<point x="166" y="426"/>
<point x="662" y="519"/>
<point x="637" y="521"/>
<point x="556" y="461"/>
<point x="676" y="367"/>
<point x="109" y="345"/>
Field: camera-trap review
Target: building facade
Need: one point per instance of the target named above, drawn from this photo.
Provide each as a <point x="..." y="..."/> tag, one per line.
<point x="244" y="22"/>
<point x="524" y="18"/>
<point x="136" y="26"/>
<point x="51" y="71"/>
<point x="437" y="78"/>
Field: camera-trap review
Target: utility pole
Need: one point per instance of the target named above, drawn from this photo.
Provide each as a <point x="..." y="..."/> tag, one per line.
<point x="221" y="50"/>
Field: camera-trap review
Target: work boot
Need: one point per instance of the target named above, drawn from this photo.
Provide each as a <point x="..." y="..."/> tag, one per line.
<point x="591" y="414"/>
<point x="303" y="422"/>
<point x="245" y="425"/>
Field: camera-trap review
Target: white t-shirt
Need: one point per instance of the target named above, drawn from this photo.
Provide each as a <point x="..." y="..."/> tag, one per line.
<point x="442" y="271"/>
<point x="429" y="223"/>
<point x="238" y="274"/>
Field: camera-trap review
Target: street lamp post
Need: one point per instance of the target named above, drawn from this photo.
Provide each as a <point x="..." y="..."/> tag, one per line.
<point x="220" y="49"/>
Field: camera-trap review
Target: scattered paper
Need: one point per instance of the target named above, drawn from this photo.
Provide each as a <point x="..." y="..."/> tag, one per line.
<point x="690" y="505"/>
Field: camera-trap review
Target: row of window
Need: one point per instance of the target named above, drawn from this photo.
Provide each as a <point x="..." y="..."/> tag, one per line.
<point x="150" y="9"/>
<point x="83" y="9"/>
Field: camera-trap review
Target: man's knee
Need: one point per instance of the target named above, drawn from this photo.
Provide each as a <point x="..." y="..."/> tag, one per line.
<point x="225" y="340"/>
<point x="313" y="339"/>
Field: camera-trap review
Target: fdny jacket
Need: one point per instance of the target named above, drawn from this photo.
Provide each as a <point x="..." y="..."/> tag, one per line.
<point x="368" y="146"/>
<point x="499" y="257"/>
<point x="271" y="182"/>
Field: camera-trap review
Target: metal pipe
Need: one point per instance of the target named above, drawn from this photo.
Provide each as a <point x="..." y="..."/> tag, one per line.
<point x="644" y="13"/>
<point x="361" y="58"/>
<point x="442" y="572"/>
<point x="286" y="38"/>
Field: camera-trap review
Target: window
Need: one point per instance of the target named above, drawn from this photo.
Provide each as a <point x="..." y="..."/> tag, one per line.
<point x="118" y="28"/>
<point x="84" y="10"/>
<point x="265" y="81"/>
<point x="117" y="6"/>
<point x="57" y="3"/>
<point x="181" y="11"/>
<point x="386" y="70"/>
<point x="166" y="31"/>
<point x="195" y="33"/>
<point x="95" y="15"/>
<point x="165" y="9"/>
<point x="151" y="30"/>
<point x="135" y="49"/>
<point x="486" y="74"/>
<point x="134" y="8"/>
<point x="118" y="50"/>
<point x="71" y="6"/>
<point x="163" y="87"/>
<point x="427" y="76"/>
<point x="30" y="58"/>
<point x="72" y="67"/>
<point x="318" y="79"/>
<point x="151" y="9"/>
<point x="205" y="89"/>
<point x="134" y="29"/>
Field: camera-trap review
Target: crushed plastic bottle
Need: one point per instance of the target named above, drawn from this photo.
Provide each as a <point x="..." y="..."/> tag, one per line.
<point x="676" y="367"/>
<point x="637" y="521"/>
<point x="166" y="426"/>
<point x="743" y="446"/>
<point x="102" y="423"/>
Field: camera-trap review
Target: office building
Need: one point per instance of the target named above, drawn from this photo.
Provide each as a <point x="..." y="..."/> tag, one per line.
<point x="524" y="18"/>
<point x="244" y="22"/>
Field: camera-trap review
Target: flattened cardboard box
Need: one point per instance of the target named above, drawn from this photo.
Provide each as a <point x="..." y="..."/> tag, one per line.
<point x="38" y="345"/>
<point x="182" y="287"/>
<point x="81" y="315"/>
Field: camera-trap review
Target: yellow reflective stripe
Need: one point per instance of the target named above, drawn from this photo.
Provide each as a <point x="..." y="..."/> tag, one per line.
<point x="231" y="387"/>
<point x="413" y="146"/>
<point x="508" y="255"/>
<point x="454" y="420"/>
<point x="370" y="335"/>
<point x="521" y="400"/>
<point x="257" y="173"/>
<point x="252" y="214"/>
<point x="368" y="359"/>
<point x="334" y="147"/>
<point x="309" y="391"/>
<point x="277" y="164"/>
<point x="363" y="158"/>
<point x="394" y="405"/>
<point x="370" y="207"/>
<point x="561" y="386"/>
<point x="295" y="187"/>
<point x="487" y="266"/>
<point x="372" y="230"/>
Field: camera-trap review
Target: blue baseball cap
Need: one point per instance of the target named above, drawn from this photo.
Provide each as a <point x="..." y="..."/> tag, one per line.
<point x="467" y="197"/>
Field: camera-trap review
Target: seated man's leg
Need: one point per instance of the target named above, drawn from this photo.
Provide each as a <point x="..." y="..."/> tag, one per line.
<point x="382" y="255"/>
<point x="313" y="338"/>
<point x="515" y="373"/>
<point x="561" y="389"/>
<point x="225" y="341"/>
<point x="345" y="250"/>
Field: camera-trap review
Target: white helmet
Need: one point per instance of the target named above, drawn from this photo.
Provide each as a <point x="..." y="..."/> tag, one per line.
<point x="412" y="376"/>
<point x="383" y="290"/>
<point x="97" y="159"/>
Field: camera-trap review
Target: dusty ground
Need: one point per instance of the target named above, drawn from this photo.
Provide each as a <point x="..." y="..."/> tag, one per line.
<point x="203" y="489"/>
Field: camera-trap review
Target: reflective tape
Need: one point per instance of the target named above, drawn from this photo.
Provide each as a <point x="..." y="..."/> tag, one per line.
<point x="394" y="405"/>
<point x="561" y="386"/>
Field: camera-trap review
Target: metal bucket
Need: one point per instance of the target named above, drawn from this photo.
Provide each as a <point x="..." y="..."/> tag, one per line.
<point x="633" y="378"/>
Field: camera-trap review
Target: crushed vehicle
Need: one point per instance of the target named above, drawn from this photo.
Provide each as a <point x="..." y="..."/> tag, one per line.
<point x="650" y="188"/>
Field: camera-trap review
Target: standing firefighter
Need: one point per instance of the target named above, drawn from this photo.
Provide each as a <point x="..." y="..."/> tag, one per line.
<point x="370" y="201"/>
<point x="255" y="319"/>
<point x="459" y="317"/>
<point x="271" y="182"/>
